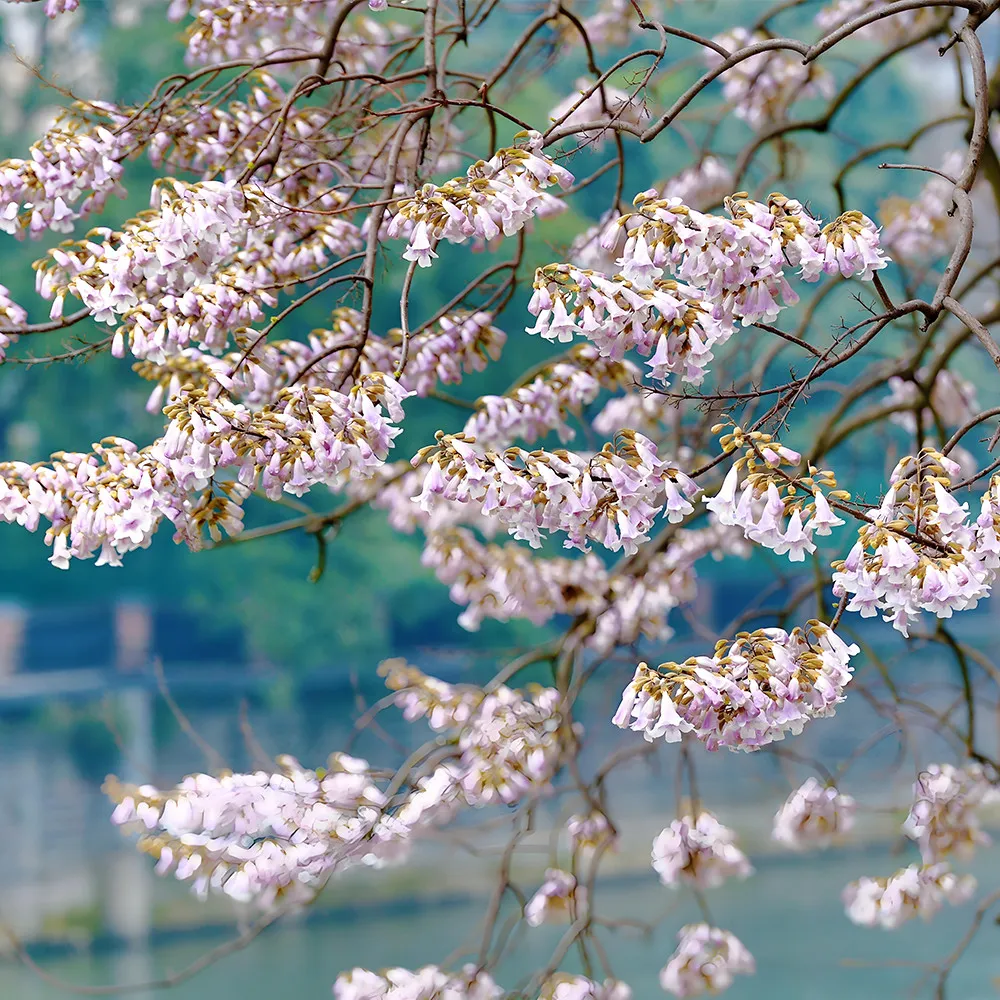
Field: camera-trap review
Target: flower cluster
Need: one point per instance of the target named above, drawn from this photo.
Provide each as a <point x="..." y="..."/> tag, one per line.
<point x="75" y="158"/>
<point x="769" y="494"/>
<point x="611" y="497"/>
<point x="751" y="692"/>
<point x="592" y="832"/>
<point x="543" y="405"/>
<point x="917" y="552"/>
<point x="496" y="195"/>
<point x="261" y="836"/>
<point x="508" y="742"/>
<point x="255" y="29"/>
<point x="926" y="227"/>
<point x="739" y="262"/>
<point x="667" y="322"/>
<point x="698" y="851"/>
<point x="649" y="413"/>
<point x="900" y="26"/>
<point x="503" y="582"/>
<point x="53" y="8"/>
<point x="563" y="986"/>
<point x="114" y="498"/>
<point x="814" y="815"/>
<point x="196" y="267"/>
<point x="606" y="103"/>
<point x="949" y="398"/>
<point x="701" y="186"/>
<point x="12" y="316"/>
<point x="919" y="890"/>
<point x="943" y="819"/>
<point x="559" y="899"/>
<point x="761" y="87"/>
<point x="428" y="983"/>
<point x="706" y="960"/>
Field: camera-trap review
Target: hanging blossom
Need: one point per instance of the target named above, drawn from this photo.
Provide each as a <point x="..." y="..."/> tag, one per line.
<point x="265" y="836"/>
<point x="496" y="196"/>
<point x="943" y="818"/>
<point x="889" y="30"/>
<point x="12" y="316"/>
<point x="331" y="358"/>
<point x="706" y="961"/>
<point x="952" y="399"/>
<point x="543" y="405"/>
<point x="751" y="692"/>
<point x="739" y="262"/>
<point x="606" y="103"/>
<point x="919" y="553"/>
<point x="919" y="890"/>
<point x="649" y="413"/>
<point x="762" y="87"/>
<point x="701" y="186"/>
<point x="667" y="322"/>
<point x="814" y="815"/>
<point x="700" y="852"/>
<point x="769" y="494"/>
<point x="926" y="227"/>
<point x="254" y="29"/>
<point x="262" y="836"/>
<point x="113" y="499"/>
<point x="563" y="986"/>
<point x="591" y="833"/>
<point x="610" y="27"/>
<point x="160" y="272"/>
<point x="508" y="743"/>
<point x="611" y="497"/>
<point x="76" y="159"/>
<point x="560" y="899"/>
<point x="428" y="983"/>
<point x="53" y="8"/>
<point x="504" y="582"/>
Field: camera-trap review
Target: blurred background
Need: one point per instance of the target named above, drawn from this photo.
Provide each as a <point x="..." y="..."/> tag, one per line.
<point x="181" y="662"/>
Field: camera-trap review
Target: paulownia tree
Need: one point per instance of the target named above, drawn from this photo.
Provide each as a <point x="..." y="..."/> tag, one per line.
<point x="698" y="397"/>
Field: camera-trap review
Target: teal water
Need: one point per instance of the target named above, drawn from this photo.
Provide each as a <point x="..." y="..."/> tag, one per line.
<point x="788" y="914"/>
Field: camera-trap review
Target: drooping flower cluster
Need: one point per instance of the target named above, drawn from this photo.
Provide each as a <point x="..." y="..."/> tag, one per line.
<point x="900" y="25"/>
<point x="926" y="227"/>
<point x="11" y="316"/>
<point x="611" y="497"/>
<point x="496" y="196"/>
<point x="814" y="815"/>
<point x="739" y="262"/>
<point x="503" y="582"/>
<point x="701" y="186"/>
<point x="508" y="742"/>
<point x="919" y="890"/>
<point x="428" y="983"/>
<point x="769" y="494"/>
<point x="53" y="8"/>
<point x="591" y="833"/>
<point x="667" y="322"/>
<point x="918" y="552"/>
<point x="256" y="29"/>
<point x="262" y="836"/>
<point x="761" y="87"/>
<point x="563" y="986"/>
<point x="606" y="103"/>
<point x="950" y="399"/>
<point x="113" y="499"/>
<point x="332" y="358"/>
<point x="706" y="961"/>
<point x="76" y="158"/>
<point x="751" y="692"/>
<point x="698" y="851"/>
<point x="943" y="819"/>
<point x="559" y="899"/>
<point x="544" y="404"/>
